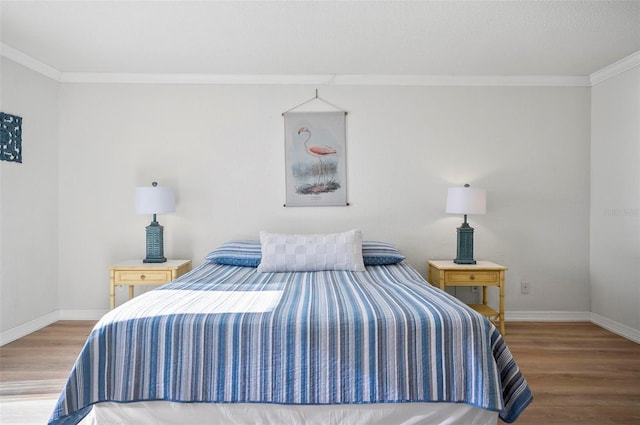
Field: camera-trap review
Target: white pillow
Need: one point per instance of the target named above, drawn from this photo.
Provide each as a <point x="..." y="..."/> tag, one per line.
<point x="298" y="253"/>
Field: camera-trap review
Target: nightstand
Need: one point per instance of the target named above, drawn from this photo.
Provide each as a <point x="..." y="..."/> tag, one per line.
<point x="484" y="273"/>
<point x="135" y="272"/>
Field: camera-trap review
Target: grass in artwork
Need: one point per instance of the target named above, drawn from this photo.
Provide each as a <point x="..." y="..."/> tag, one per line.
<point x="320" y="174"/>
<point x="316" y="188"/>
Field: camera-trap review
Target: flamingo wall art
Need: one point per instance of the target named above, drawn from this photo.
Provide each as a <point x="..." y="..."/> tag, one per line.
<point x="315" y="158"/>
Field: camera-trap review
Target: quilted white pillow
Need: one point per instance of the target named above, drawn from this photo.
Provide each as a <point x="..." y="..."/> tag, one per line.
<point x="298" y="253"/>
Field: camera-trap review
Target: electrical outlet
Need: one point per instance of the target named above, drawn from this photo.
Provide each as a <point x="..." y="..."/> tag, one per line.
<point x="524" y="287"/>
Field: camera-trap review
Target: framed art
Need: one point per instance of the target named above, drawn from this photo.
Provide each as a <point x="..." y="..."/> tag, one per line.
<point x="10" y="137"/>
<point x="315" y="159"/>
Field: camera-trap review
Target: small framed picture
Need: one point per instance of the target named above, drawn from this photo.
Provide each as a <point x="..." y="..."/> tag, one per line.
<point x="10" y="137"/>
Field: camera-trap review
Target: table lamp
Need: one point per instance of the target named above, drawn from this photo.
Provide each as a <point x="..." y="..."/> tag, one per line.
<point x="155" y="200"/>
<point x="465" y="200"/>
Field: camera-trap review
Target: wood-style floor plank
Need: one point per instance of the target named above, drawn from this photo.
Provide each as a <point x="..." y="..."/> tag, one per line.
<point x="579" y="373"/>
<point x="45" y="356"/>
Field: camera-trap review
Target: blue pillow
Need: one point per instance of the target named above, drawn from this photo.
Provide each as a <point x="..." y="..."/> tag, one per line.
<point x="237" y="253"/>
<point x="376" y="253"/>
<point x="246" y="253"/>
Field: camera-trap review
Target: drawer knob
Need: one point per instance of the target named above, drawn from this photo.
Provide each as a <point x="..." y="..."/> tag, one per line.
<point x="472" y="277"/>
<point x="142" y="277"/>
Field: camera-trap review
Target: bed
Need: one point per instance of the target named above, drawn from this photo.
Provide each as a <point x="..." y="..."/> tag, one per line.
<point x="235" y="342"/>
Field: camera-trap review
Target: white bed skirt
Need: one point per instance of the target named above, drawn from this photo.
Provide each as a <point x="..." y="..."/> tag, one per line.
<point x="169" y="413"/>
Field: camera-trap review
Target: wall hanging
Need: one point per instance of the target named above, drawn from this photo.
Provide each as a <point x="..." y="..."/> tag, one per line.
<point x="315" y="157"/>
<point x="10" y="137"/>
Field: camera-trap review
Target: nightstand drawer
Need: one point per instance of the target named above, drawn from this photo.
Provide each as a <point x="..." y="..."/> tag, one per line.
<point x="470" y="277"/>
<point x="143" y="276"/>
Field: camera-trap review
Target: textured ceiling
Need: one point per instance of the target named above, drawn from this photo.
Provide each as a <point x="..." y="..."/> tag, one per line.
<point x="324" y="37"/>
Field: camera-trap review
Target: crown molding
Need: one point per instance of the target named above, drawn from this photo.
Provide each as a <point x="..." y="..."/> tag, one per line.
<point x="29" y="62"/>
<point x="615" y="68"/>
<point x="320" y="79"/>
<point x="461" y="80"/>
<point x="326" y="79"/>
<point x="242" y="79"/>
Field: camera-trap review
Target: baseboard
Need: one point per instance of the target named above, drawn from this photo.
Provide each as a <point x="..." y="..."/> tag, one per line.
<point x="29" y="327"/>
<point x="616" y="327"/>
<point x="39" y="323"/>
<point x="547" y="316"/>
<point x="82" y="314"/>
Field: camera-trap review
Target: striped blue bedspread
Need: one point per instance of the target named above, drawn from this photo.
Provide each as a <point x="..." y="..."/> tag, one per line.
<point x="229" y="334"/>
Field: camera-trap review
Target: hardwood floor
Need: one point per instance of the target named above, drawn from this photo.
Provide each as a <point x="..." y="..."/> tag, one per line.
<point x="579" y="373"/>
<point x="34" y="369"/>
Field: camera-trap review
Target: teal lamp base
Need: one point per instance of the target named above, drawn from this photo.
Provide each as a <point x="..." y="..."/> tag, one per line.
<point x="465" y="244"/>
<point x="155" y="243"/>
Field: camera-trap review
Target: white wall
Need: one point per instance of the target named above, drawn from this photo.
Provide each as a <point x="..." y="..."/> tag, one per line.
<point x="221" y="148"/>
<point x="615" y="199"/>
<point x="29" y="200"/>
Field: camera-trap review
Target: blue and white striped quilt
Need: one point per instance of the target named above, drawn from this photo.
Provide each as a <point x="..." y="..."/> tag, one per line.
<point x="229" y="334"/>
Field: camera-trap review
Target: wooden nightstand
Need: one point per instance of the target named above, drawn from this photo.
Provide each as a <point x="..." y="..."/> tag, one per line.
<point x="135" y="272"/>
<point x="484" y="273"/>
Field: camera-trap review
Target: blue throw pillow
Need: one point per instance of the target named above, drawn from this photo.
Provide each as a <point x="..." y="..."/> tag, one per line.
<point x="376" y="253"/>
<point x="237" y="253"/>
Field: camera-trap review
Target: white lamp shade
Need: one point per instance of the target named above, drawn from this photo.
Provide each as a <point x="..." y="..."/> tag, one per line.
<point x="466" y="200"/>
<point x="155" y="200"/>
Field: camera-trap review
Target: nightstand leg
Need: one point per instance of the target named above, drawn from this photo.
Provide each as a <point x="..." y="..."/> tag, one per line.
<point x="131" y="287"/>
<point x="502" y="330"/>
<point x="112" y="290"/>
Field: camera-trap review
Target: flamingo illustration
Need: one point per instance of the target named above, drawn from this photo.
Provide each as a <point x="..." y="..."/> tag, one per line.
<point x="319" y="151"/>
